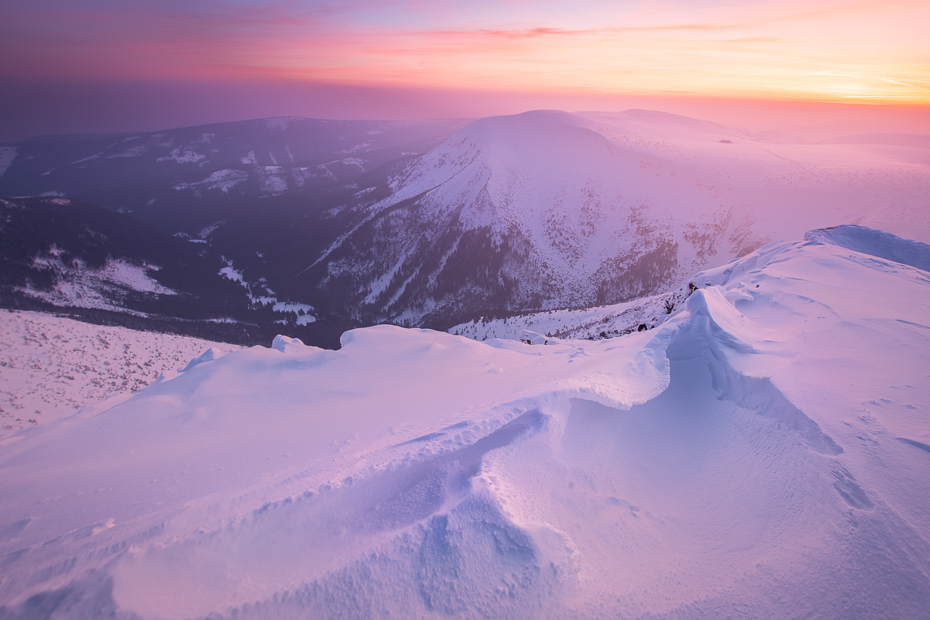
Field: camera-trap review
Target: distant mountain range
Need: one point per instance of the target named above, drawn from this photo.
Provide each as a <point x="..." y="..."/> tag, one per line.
<point x="62" y="255"/>
<point x="435" y="223"/>
<point x="186" y="179"/>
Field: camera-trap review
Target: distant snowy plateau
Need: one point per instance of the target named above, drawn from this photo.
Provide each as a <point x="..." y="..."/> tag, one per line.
<point x="760" y="450"/>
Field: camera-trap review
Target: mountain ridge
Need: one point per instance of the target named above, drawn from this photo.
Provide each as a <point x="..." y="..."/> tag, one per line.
<point x="769" y="436"/>
<point x="505" y="215"/>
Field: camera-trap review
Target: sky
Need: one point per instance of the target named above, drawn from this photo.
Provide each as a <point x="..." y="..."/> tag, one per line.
<point x="112" y="65"/>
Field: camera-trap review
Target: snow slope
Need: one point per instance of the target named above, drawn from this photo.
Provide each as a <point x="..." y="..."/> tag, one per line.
<point x="764" y="452"/>
<point x="52" y="366"/>
<point x="648" y="312"/>
<point x="547" y="210"/>
<point x="103" y="288"/>
<point x="787" y="188"/>
<point x="593" y="323"/>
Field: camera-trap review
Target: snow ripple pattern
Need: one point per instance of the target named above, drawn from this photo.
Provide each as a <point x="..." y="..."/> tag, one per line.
<point x="747" y="457"/>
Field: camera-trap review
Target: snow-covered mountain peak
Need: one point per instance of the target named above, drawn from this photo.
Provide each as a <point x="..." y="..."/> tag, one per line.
<point x="582" y="206"/>
<point x="524" y="172"/>
<point x="548" y="209"/>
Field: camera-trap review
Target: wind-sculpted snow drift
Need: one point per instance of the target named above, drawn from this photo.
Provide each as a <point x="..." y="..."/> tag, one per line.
<point x="761" y="453"/>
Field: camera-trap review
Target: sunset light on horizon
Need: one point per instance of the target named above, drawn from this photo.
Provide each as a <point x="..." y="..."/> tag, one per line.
<point x="759" y="50"/>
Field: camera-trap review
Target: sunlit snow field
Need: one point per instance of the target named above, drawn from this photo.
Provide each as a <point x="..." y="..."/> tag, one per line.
<point x="51" y="366"/>
<point x="763" y="452"/>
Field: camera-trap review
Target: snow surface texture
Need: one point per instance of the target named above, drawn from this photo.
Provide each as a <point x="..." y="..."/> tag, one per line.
<point x="50" y="366"/>
<point x="104" y="288"/>
<point x="595" y="323"/>
<point x="762" y="453"/>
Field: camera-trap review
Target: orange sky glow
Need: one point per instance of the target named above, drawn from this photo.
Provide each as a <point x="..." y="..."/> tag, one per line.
<point x="500" y="56"/>
<point x="771" y="49"/>
<point x="866" y="53"/>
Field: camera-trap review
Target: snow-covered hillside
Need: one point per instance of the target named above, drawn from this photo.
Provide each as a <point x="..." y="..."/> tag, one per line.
<point x="62" y="255"/>
<point x="596" y="323"/>
<point x="52" y="366"/>
<point x="435" y="223"/>
<point x="764" y="452"/>
<point x="547" y="210"/>
<point x="192" y="177"/>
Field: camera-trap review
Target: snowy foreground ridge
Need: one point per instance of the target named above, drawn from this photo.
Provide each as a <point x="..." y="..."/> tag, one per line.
<point x="51" y="366"/>
<point x="764" y="452"/>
